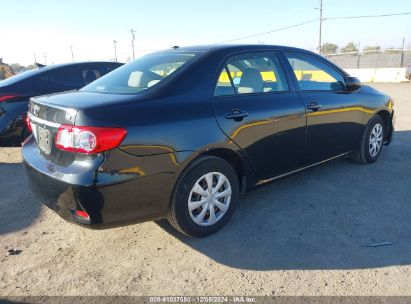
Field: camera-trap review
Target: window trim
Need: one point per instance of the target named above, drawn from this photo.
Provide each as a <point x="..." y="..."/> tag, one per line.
<point x="270" y="53"/>
<point x="291" y="72"/>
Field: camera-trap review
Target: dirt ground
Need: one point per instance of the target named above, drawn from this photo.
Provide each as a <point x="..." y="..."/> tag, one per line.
<point x="309" y="234"/>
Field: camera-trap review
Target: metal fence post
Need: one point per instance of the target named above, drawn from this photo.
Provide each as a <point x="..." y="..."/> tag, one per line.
<point x="402" y="53"/>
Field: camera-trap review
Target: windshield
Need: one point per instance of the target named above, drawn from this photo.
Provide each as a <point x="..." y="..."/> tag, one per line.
<point x="140" y="74"/>
<point x="16" y="78"/>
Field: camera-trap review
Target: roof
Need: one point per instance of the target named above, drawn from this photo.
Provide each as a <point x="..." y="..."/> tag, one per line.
<point x="235" y="47"/>
<point x="58" y="65"/>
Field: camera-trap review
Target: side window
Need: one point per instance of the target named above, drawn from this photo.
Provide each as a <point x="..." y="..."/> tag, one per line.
<point x="90" y="75"/>
<point x="248" y="74"/>
<point x="106" y="69"/>
<point x="68" y="78"/>
<point x="314" y="75"/>
<point x="35" y="84"/>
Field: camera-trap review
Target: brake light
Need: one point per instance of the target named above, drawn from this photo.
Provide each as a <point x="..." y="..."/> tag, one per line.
<point x="7" y="97"/>
<point x="88" y="140"/>
<point x="28" y="123"/>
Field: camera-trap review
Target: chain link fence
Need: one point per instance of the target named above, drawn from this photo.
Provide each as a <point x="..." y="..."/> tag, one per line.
<point x="390" y="58"/>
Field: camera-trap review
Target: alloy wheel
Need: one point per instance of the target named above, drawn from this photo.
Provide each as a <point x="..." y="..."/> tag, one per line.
<point x="376" y="138"/>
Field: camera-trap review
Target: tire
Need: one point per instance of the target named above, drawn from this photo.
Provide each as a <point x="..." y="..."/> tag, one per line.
<point x="186" y="192"/>
<point x="365" y="153"/>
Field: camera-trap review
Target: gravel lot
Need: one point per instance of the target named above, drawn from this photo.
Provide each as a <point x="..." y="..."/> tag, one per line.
<point x="308" y="234"/>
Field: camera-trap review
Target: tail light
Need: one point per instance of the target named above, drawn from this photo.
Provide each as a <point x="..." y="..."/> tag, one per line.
<point x="28" y="123"/>
<point x="7" y="97"/>
<point x="88" y="140"/>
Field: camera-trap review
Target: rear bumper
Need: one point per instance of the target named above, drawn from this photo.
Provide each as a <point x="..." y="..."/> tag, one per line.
<point x="110" y="199"/>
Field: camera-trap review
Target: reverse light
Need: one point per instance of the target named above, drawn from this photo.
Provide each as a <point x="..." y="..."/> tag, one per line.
<point x="7" y="97"/>
<point x="88" y="140"/>
<point x="82" y="214"/>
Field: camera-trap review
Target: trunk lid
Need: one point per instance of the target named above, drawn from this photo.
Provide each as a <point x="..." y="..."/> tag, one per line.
<point x="47" y="113"/>
<point x="45" y="119"/>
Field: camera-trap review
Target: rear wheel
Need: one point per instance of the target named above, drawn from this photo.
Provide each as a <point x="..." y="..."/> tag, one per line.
<point x="372" y="141"/>
<point x="204" y="197"/>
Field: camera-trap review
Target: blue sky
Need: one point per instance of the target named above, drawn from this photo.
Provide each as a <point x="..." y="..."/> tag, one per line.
<point x="46" y="26"/>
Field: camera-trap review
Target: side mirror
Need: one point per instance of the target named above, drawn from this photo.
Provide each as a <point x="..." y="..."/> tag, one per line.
<point x="352" y="84"/>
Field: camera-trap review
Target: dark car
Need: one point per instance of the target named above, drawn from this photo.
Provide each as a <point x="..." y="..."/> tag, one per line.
<point x="180" y="134"/>
<point x="16" y="91"/>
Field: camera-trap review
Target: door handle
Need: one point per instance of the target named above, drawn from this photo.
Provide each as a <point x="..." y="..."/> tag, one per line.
<point x="313" y="106"/>
<point x="236" y="114"/>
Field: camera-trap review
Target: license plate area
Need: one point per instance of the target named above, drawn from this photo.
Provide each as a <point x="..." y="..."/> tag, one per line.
<point x="43" y="139"/>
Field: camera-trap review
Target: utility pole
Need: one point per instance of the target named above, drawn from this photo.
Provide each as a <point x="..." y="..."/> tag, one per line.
<point x="115" y="49"/>
<point x="358" y="55"/>
<point x="321" y="25"/>
<point x="72" y="54"/>
<point x="35" y="59"/>
<point x="132" y="41"/>
<point x="402" y="53"/>
<point x="45" y="58"/>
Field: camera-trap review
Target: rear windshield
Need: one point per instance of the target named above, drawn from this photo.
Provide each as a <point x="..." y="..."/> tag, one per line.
<point x="22" y="76"/>
<point x="141" y="74"/>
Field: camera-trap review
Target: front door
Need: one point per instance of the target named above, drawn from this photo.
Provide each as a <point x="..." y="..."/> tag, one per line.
<point x="258" y="111"/>
<point x="334" y="116"/>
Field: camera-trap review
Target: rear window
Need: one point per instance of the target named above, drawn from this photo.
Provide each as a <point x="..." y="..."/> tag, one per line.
<point x="19" y="77"/>
<point x="141" y="74"/>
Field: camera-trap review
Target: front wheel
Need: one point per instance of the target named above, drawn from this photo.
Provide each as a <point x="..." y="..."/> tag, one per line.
<point x="204" y="197"/>
<point x="372" y="141"/>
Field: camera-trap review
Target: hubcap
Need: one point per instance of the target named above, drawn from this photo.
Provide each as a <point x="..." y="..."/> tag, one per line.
<point x="209" y="198"/>
<point x="375" y="142"/>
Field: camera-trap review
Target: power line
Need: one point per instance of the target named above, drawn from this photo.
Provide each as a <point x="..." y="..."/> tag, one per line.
<point x="269" y="32"/>
<point x="311" y="21"/>
<point x="368" y="16"/>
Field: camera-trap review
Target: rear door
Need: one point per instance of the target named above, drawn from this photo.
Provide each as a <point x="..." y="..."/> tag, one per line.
<point x="259" y="111"/>
<point x="334" y="116"/>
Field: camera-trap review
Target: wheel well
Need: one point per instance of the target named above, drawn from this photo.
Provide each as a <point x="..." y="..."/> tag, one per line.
<point x="387" y="117"/>
<point x="232" y="158"/>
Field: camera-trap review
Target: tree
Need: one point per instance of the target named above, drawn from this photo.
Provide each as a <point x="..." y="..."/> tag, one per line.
<point x="372" y="48"/>
<point x="2" y="73"/>
<point x="17" y="68"/>
<point x="329" y="48"/>
<point x="349" y="48"/>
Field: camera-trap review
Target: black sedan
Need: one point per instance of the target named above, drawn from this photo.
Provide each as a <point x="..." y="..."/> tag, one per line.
<point x="16" y="91"/>
<point x="180" y="134"/>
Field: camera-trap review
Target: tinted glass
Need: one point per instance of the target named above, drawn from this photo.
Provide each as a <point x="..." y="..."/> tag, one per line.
<point x="314" y="75"/>
<point x="68" y="77"/>
<point x="19" y="77"/>
<point x="141" y="74"/>
<point x="256" y="73"/>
